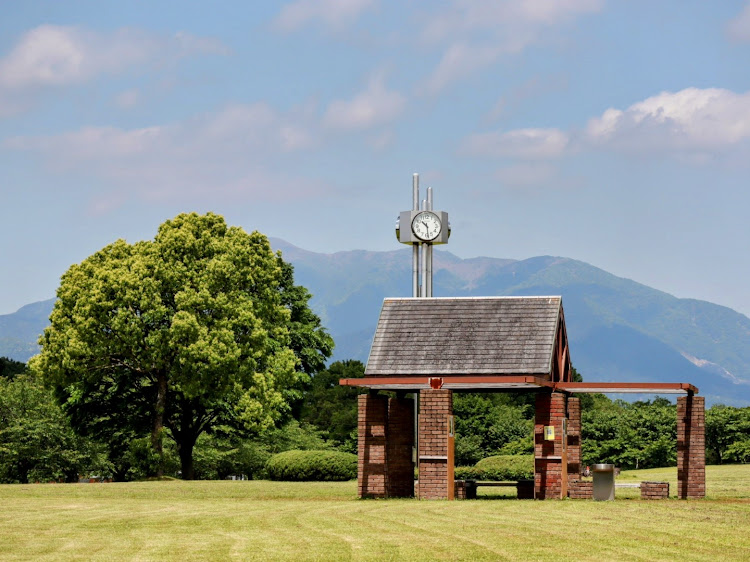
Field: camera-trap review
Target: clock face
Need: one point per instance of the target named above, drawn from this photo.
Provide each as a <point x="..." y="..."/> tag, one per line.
<point x="426" y="226"/>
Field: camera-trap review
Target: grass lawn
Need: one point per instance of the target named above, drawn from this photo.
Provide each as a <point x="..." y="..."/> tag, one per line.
<point x="257" y="520"/>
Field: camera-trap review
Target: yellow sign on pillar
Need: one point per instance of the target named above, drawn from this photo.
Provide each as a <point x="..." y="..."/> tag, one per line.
<point x="549" y="432"/>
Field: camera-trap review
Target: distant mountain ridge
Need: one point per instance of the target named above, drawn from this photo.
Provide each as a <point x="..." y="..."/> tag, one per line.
<point x="619" y="330"/>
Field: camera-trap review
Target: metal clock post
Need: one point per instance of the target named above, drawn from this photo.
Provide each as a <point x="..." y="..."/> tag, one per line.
<point x="422" y="228"/>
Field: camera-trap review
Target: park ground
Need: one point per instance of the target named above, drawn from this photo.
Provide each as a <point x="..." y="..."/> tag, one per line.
<point x="261" y="520"/>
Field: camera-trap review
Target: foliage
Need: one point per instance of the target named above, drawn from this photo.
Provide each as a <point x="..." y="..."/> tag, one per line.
<point x="224" y="452"/>
<point x="332" y="407"/>
<point x="484" y="424"/>
<point x="467" y="473"/>
<point x="179" y="334"/>
<point x="37" y="443"/>
<point x="312" y="465"/>
<point x="9" y="368"/>
<point x="641" y="434"/>
<point x="727" y="434"/>
<point x="506" y="467"/>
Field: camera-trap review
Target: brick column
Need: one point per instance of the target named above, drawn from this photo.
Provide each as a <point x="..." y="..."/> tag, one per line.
<point x="654" y="490"/>
<point x="399" y="443"/>
<point x="691" y="447"/>
<point x="574" y="439"/>
<point x="550" y="460"/>
<point x="371" y="448"/>
<point x="435" y="454"/>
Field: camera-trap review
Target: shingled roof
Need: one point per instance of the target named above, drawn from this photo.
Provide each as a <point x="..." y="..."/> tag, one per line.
<point x="511" y="336"/>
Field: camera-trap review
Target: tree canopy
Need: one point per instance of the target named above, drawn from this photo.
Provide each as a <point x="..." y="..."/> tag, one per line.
<point x="182" y="332"/>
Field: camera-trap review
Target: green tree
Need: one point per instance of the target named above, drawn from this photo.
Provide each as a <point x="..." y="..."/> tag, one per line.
<point x="727" y="434"/>
<point x="36" y="440"/>
<point x="9" y="368"/>
<point x="309" y="341"/>
<point x="641" y="434"/>
<point x="177" y="334"/>
<point x="485" y="424"/>
<point x="332" y="407"/>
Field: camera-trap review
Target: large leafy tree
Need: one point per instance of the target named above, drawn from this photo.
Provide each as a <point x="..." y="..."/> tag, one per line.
<point x="177" y="334"/>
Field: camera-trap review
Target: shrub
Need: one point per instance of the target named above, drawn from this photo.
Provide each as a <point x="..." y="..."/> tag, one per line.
<point x="506" y="467"/>
<point x="468" y="473"/>
<point x="312" y="465"/>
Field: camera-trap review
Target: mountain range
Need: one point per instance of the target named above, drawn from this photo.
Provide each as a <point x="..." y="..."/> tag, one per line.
<point x="618" y="330"/>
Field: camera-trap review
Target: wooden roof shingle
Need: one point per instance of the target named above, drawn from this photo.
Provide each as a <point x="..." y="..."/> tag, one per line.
<point x="470" y="336"/>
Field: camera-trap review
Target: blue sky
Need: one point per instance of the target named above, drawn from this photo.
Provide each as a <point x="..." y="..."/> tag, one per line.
<point x="614" y="132"/>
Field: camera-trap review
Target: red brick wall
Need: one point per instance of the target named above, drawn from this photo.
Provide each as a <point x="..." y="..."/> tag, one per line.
<point x="460" y="493"/>
<point x="654" y="490"/>
<point x="550" y="464"/>
<point x="400" y="440"/>
<point x="435" y="407"/>
<point x="371" y="448"/>
<point x="581" y="490"/>
<point x="574" y="439"/>
<point x="691" y="447"/>
<point x="386" y="436"/>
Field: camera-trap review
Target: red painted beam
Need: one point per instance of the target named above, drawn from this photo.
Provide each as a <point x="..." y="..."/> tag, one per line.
<point x="479" y="382"/>
<point x="614" y="387"/>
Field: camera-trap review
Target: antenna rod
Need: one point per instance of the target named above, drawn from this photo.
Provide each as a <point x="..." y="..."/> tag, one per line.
<point x="427" y="249"/>
<point x="415" y="247"/>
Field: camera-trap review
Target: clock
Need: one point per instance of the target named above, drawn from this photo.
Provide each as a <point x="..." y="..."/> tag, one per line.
<point x="426" y="226"/>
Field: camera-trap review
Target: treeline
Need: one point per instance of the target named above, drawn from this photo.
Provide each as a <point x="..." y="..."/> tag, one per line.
<point x="38" y="443"/>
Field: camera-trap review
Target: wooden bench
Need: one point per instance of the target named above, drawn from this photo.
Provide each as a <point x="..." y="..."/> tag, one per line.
<point x="524" y="488"/>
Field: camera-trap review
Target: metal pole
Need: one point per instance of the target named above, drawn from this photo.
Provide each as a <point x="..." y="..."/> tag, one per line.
<point x="415" y="247"/>
<point x="424" y="247"/>
<point x="428" y="250"/>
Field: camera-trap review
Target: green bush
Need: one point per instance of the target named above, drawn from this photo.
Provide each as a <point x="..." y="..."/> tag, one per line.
<point x="312" y="465"/>
<point x="468" y="473"/>
<point x="506" y="467"/>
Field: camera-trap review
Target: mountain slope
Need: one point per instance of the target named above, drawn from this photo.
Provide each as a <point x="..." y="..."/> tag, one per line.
<point x="619" y="330"/>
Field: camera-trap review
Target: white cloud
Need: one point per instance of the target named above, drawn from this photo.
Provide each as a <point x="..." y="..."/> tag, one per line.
<point x="459" y="61"/>
<point x="334" y="14"/>
<point x="525" y="144"/>
<point x="738" y="28"/>
<point x="374" y="106"/>
<point x="477" y="33"/>
<point x="227" y="154"/>
<point x="126" y="99"/>
<point x="51" y="56"/>
<point x="692" y="119"/>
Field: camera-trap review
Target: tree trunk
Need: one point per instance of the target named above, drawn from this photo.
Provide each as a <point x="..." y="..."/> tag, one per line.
<point x="185" y="449"/>
<point x="158" y="429"/>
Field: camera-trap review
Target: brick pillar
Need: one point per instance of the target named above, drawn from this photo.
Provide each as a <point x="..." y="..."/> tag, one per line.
<point x="574" y="439"/>
<point x="371" y="448"/>
<point x="399" y="443"/>
<point x="691" y="447"/>
<point x="435" y="454"/>
<point x="550" y="460"/>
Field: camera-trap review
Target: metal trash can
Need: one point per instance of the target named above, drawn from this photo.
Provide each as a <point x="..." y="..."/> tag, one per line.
<point x="604" y="482"/>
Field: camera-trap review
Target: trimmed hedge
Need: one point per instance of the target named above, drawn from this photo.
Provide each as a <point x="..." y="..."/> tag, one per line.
<point x="506" y="467"/>
<point x="467" y="473"/>
<point x="299" y="466"/>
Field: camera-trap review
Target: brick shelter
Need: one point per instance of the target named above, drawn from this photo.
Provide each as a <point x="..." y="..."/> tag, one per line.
<point x="430" y="348"/>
